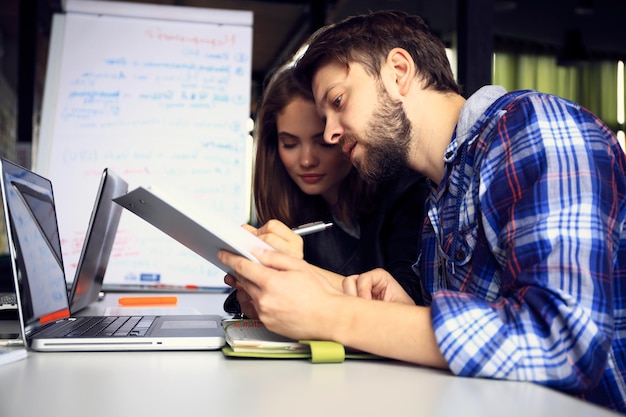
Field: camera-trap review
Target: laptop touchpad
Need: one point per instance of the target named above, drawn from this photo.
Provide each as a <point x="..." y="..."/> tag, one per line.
<point x="188" y="324"/>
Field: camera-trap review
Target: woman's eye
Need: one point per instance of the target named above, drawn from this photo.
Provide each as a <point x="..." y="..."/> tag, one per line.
<point x="288" y="145"/>
<point x="337" y="101"/>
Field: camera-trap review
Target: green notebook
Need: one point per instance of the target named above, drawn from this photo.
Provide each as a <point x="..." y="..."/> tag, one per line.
<point x="251" y="339"/>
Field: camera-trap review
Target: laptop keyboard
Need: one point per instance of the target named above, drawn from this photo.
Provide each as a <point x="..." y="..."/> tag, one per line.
<point x="109" y="326"/>
<point x="8" y="299"/>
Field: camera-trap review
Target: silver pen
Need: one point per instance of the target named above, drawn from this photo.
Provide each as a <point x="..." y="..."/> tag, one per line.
<point x="307" y="229"/>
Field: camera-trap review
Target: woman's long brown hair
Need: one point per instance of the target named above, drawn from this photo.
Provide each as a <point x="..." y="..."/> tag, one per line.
<point x="276" y="195"/>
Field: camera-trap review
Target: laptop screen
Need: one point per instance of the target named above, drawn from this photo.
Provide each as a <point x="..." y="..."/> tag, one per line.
<point x="34" y="244"/>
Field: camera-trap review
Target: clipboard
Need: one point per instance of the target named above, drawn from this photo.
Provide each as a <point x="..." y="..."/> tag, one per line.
<point x="205" y="236"/>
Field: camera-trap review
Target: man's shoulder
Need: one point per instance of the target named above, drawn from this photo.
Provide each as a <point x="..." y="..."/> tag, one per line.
<point x="513" y="100"/>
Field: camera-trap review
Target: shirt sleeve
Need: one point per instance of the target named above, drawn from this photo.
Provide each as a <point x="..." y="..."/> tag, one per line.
<point x="551" y="212"/>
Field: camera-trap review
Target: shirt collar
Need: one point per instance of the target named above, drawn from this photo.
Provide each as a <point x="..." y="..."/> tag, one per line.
<point x="472" y="110"/>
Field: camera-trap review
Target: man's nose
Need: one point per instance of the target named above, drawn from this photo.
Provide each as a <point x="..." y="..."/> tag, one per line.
<point x="332" y="131"/>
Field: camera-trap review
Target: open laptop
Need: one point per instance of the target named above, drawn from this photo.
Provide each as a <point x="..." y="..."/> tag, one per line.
<point x="44" y="311"/>
<point x="95" y="254"/>
<point x="98" y="244"/>
<point x="8" y="300"/>
<point x="93" y="261"/>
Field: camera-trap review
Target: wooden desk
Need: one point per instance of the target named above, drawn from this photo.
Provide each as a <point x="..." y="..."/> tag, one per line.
<point x="185" y="384"/>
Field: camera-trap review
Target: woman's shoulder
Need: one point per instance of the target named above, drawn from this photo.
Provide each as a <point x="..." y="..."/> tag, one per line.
<point x="411" y="184"/>
<point x="400" y="202"/>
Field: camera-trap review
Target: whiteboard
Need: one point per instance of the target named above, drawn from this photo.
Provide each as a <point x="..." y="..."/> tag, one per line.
<point x="160" y="95"/>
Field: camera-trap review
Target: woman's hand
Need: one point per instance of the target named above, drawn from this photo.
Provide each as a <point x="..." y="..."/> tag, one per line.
<point x="276" y="234"/>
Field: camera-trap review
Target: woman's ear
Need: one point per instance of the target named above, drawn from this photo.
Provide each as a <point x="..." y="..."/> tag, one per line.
<point x="402" y="67"/>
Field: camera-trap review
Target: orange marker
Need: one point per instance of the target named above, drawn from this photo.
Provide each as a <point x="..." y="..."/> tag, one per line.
<point x="147" y="301"/>
<point x="61" y="314"/>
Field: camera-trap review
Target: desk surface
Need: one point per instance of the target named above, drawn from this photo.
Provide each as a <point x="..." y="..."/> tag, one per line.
<point x="207" y="383"/>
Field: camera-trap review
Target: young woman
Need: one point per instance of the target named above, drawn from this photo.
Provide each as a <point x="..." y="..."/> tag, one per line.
<point x="299" y="178"/>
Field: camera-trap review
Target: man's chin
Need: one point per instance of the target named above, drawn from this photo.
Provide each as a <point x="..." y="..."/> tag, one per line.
<point x="374" y="177"/>
<point x="382" y="174"/>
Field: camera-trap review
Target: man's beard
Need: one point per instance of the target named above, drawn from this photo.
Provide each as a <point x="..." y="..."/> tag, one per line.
<point x="387" y="148"/>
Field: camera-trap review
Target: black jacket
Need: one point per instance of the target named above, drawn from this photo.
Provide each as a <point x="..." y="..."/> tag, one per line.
<point x="390" y="236"/>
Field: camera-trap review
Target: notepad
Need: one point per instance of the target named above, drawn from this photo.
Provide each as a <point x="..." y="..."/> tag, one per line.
<point x="248" y="338"/>
<point x="252" y="336"/>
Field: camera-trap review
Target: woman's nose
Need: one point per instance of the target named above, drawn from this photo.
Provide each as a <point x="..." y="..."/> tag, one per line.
<point x="308" y="157"/>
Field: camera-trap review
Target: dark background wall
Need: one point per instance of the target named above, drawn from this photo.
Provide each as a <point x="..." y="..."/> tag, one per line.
<point x="474" y="27"/>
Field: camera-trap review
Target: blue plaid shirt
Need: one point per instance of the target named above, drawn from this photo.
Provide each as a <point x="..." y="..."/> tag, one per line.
<point x="524" y="249"/>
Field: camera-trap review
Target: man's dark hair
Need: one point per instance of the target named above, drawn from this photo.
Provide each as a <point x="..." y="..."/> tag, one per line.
<point x="367" y="39"/>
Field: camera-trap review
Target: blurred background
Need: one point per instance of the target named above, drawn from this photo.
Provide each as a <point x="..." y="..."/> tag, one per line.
<point x="569" y="47"/>
<point x="572" y="48"/>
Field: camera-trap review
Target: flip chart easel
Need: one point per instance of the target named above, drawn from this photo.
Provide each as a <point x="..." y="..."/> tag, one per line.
<point x="161" y="95"/>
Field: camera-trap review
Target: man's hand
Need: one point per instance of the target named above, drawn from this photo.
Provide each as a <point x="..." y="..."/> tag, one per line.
<point x="376" y="284"/>
<point x="243" y="298"/>
<point x="289" y="295"/>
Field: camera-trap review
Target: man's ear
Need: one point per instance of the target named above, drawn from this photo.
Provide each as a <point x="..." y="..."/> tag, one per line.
<point x="403" y="69"/>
